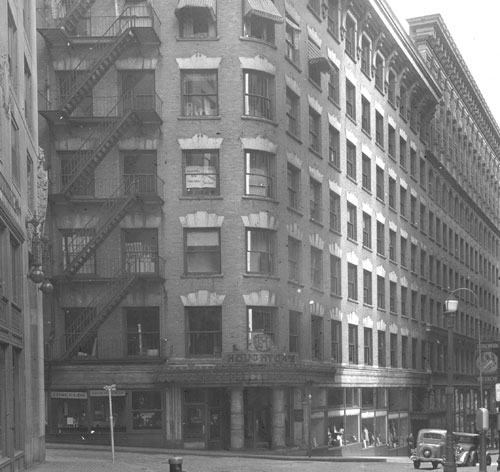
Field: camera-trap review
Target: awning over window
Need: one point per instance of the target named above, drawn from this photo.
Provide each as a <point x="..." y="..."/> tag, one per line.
<point x="292" y="24"/>
<point x="208" y="4"/>
<point x="316" y="59"/>
<point x="264" y="9"/>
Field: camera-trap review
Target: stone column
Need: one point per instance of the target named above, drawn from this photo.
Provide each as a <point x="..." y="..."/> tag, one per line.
<point x="278" y="418"/>
<point x="237" y="419"/>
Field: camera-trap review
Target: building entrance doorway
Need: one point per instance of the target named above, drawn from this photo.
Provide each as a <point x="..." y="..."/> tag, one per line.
<point x="257" y="403"/>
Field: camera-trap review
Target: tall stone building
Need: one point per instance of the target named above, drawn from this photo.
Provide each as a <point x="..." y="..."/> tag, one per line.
<point x="252" y="230"/>
<point x="23" y="200"/>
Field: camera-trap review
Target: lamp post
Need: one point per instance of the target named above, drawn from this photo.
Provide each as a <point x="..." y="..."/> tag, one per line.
<point x="109" y="389"/>
<point x="451" y="306"/>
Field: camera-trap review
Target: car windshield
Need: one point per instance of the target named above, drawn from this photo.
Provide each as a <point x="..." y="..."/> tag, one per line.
<point x="435" y="436"/>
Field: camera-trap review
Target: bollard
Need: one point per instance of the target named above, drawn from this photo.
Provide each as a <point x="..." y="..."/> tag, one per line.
<point x="175" y="464"/>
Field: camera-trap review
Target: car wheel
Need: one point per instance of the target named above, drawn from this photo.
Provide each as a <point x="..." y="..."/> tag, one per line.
<point x="416" y="464"/>
<point x="472" y="459"/>
<point x="435" y="464"/>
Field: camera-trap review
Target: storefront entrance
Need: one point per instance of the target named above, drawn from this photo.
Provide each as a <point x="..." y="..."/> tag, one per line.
<point x="257" y="403"/>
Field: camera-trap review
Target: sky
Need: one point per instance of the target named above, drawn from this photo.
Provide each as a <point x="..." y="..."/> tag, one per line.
<point x="475" y="29"/>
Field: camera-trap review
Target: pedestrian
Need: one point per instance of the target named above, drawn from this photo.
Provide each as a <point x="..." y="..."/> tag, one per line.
<point x="411" y="443"/>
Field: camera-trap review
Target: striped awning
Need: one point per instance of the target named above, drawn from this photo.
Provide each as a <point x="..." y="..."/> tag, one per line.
<point x="316" y="59"/>
<point x="208" y="4"/>
<point x="263" y="8"/>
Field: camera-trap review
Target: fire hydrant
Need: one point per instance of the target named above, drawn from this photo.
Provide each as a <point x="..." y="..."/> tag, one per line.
<point x="175" y="464"/>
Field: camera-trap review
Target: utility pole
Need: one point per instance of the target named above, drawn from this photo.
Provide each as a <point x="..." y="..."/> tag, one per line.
<point x="109" y="389"/>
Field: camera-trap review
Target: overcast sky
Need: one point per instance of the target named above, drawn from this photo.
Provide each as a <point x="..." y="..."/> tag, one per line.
<point x="475" y="28"/>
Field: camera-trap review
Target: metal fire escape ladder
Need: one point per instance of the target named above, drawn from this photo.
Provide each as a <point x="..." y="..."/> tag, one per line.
<point x="99" y="227"/>
<point x="71" y="12"/>
<point x="88" y="322"/>
<point x="107" y="133"/>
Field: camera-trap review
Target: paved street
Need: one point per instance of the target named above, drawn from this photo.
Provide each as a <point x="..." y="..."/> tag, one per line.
<point x="99" y="460"/>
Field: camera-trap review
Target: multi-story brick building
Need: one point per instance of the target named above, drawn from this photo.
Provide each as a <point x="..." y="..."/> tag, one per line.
<point x="23" y="199"/>
<point x="248" y="224"/>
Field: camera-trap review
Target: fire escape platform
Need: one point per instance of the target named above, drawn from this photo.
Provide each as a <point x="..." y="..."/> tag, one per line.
<point x="56" y="37"/>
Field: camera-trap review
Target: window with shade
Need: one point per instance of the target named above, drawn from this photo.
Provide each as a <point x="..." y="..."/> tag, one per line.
<point x="202" y="251"/>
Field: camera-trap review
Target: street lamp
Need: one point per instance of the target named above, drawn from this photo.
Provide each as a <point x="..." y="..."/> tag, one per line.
<point x="451" y="307"/>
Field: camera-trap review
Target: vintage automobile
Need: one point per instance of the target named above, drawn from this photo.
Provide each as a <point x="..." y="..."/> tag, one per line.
<point x="431" y="445"/>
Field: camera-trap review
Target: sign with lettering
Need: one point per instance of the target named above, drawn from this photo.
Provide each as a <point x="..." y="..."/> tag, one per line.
<point x="104" y="393"/>
<point x="69" y="395"/>
<point x="241" y="357"/>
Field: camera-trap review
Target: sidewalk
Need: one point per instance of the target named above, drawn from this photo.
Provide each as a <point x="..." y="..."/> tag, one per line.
<point x="74" y="458"/>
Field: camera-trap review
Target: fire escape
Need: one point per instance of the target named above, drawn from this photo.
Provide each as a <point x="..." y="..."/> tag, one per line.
<point x="102" y="41"/>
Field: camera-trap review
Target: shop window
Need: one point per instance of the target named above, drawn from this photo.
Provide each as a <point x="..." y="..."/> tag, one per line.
<point x="259" y="174"/>
<point x="204" y="331"/>
<point x="99" y="409"/>
<point x="202" y="251"/>
<point x="143" y="332"/>
<point x="146" y="410"/>
<point x="201" y="172"/>
<point x="199" y="93"/>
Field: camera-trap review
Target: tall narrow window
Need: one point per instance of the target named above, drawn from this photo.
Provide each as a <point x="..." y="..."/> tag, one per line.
<point x="392" y="193"/>
<point x="367" y="287"/>
<point x="402" y="152"/>
<point x="317" y="333"/>
<point x="365" y="116"/>
<point x="380" y="292"/>
<point x="334" y="85"/>
<point x="366" y="169"/>
<point x="350" y="160"/>
<point x="316" y="268"/>
<point x="293" y="330"/>
<point x="336" y="341"/>
<point x="333" y="17"/>
<point x="366" y="56"/>
<point x="353" y="344"/>
<point x="292" y="112"/>
<point x="350" y="36"/>
<point x="258" y="94"/>
<point x="352" y="231"/>
<point x="314" y="130"/>
<point x="379" y="129"/>
<point x="368" y="348"/>
<point x="294" y="259"/>
<point x="292" y="35"/>
<point x="380" y="184"/>
<point x="350" y="100"/>
<point x="335" y="275"/>
<point x="367" y="230"/>
<point x="394" y="350"/>
<point x="379" y="73"/>
<point x="315" y="196"/>
<point x="15" y="157"/>
<point x="352" y="281"/>
<point x="334" y="147"/>
<point x="335" y="219"/>
<point x="380" y="238"/>
<point x="391" y="136"/>
<point x="259" y="174"/>
<point x="293" y="182"/>
<point x="260" y="251"/>
<point x="381" y="348"/>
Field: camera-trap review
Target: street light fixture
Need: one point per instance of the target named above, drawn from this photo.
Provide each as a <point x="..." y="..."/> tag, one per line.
<point x="451" y="307"/>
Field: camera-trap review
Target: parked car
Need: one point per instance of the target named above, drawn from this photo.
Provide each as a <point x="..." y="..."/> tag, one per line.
<point x="430" y="447"/>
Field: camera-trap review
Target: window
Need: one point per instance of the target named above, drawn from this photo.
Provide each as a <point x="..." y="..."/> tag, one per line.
<point x="335" y="217"/>
<point x="381" y="348"/>
<point x="380" y="238"/>
<point x="391" y="133"/>
<point x="402" y="153"/>
<point x="413" y="210"/>
<point x="335" y="276"/>
<point x="414" y="301"/>
<point x="143" y="331"/>
<point x="317" y="337"/>
<point x="379" y="129"/>
<point x="368" y="348"/>
<point x="366" y="173"/>
<point x="413" y="257"/>
<point x="403" y="102"/>
<point x="261" y="321"/>
<point x="199" y="93"/>
<point x="334" y="85"/>
<point x="380" y="184"/>
<point x="334" y="147"/>
<point x="350" y="37"/>
<point x="391" y="91"/>
<point x="293" y="182"/>
<point x="259" y="174"/>
<point x="259" y="94"/>
<point x="423" y="257"/>
<point x="74" y="241"/>
<point x="423" y="307"/>
<point x="379" y="73"/>
<point x="30" y="181"/>
<point x="201" y="172"/>
<point x="197" y="22"/>
<point x="423" y="214"/>
<point x="292" y="35"/>
<point x="367" y="287"/>
<point x="15" y="156"/>
<point x="403" y="250"/>
<point x="380" y="292"/>
<point x="12" y="47"/>
<point x="350" y="100"/>
<point x="402" y="201"/>
<point x="352" y="281"/>
<point x="315" y="6"/>
<point x="392" y="245"/>
<point x="350" y="157"/>
<point x="365" y="116"/>
<point x="294" y="259"/>
<point x="353" y="344"/>
<point x="352" y="231"/>
<point x="314" y="130"/>
<point x="413" y="162"/>
<point x="392" y="296"/>
<point x="336" y="340"/>
<point x="315" y="196"/>
<point x="293" y="330"/>
<point x="394" y="349"/>
<point x="146" y="410"/>
<point x="422" y="174"/>
<point x="316" y="268"/>
<point x="392" y="193"/>
<point x="202" y="251"/>
<point x="292" y="112"/>
<point x="259" y="26"/>
<point x="367" y="230"/>
<point x="333" y="17"/>
<point x="140" y="249"/>
<point x="404" y="301"/>
<point x="366" y="56"/>
<point x="260" y="251"/>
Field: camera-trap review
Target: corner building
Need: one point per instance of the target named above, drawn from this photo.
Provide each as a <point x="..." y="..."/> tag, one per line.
<point x="23" y="200"/>
<point x="239" y="225"/>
